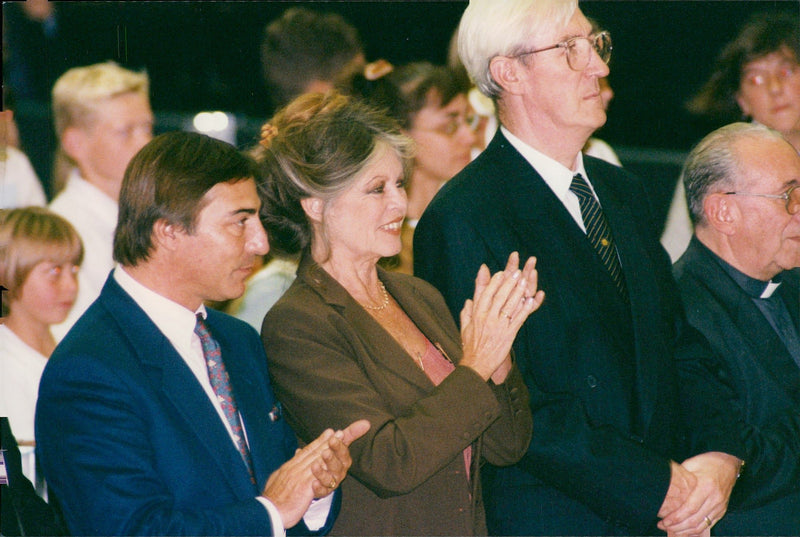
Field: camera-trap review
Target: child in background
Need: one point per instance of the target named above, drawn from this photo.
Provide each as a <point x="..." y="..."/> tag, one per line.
<point x="40" y="253"/>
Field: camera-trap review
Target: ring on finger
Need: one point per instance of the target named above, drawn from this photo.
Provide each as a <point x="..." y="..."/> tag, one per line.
<point x="505" y="314"/>
<point x="333" y="484"/>
<point x="709" y="522"/>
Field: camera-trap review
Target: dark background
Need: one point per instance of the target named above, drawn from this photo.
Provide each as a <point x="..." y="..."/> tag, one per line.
<point x="204" y="56"/>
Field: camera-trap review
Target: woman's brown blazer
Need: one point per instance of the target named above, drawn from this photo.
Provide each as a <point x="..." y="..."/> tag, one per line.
<point x="331" y="364"/>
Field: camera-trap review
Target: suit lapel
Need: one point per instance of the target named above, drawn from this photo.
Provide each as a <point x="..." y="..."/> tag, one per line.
<point x="417" y="307"/>
<point x="391" y="354"/>
<point x="638" y="268"/>
<point x="791" y="294"/>
<point x="750" y="322"/>
<point x="539" y="220"/>
<point x="170" y="375"/>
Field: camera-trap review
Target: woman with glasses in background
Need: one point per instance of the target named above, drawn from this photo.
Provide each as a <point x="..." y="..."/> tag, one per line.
<point x="430" y="103"/>
<point x="757" y="76"/>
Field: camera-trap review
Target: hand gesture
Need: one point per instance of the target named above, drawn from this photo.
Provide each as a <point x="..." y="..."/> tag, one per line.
<point x="714" y="475"/>
<point x="491" y="319"/>
<point x="336" y="459"/>
<point x="314" y="471"/>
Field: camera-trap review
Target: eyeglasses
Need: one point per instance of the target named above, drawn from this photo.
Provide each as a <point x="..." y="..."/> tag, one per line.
<point x="450" y="128"/>
<point x="759" y="79"/>
<point x="579" y="49"/>
<point x="791" y="197"/>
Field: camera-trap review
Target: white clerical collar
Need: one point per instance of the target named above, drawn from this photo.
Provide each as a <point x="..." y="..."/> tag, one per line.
<point x="770" y="288"/>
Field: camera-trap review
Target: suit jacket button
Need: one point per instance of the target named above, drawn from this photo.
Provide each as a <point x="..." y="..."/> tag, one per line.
<point x="591" y="380"/>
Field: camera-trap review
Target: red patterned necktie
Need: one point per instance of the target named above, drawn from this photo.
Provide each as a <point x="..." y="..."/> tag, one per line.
<point x="220" y="382"/>
<point x="598" y="232"/>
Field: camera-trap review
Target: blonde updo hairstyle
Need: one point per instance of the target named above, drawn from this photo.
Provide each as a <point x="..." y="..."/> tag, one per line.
<point x="316" y="147"/>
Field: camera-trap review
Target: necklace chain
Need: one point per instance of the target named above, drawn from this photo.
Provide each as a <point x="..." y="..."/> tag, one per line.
<point x="385" y="301"/>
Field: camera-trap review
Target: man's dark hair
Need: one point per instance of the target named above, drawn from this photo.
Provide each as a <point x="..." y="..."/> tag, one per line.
<point x="168" y="178"/>
<point x="304" y="45"/>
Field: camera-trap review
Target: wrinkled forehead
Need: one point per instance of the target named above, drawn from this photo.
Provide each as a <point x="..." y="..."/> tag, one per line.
<point x="771" y="164"/>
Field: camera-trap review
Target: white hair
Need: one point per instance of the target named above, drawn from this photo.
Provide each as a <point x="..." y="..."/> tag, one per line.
<point x="491" y="28"/>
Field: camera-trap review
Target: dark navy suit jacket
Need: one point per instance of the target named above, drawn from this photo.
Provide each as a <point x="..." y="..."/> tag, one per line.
<point x="764" y="381"/>
<point x="22" y="511"/>
<point x="602" y="374"/>
<point x="131" y="445"/>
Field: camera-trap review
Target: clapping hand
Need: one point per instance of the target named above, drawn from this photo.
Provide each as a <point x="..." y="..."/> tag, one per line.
<point x="314" y="471"/>
<point x="491" y="319"/>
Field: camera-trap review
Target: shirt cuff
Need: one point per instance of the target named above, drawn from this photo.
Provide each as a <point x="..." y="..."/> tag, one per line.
<point x="275" y="517"/>
<point x="317" y="513"/>
<point x="315" y="517"/>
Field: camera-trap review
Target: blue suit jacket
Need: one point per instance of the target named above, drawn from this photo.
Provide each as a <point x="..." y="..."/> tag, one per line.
<point x="129" y="442"/>
<point x="602" y="374"/>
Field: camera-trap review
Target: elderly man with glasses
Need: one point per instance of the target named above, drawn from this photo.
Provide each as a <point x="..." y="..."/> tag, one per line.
<point x="740" y="291"/>
<point x="601" y="358"/>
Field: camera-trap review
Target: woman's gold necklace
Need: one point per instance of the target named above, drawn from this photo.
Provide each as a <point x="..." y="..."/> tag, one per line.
<point x="385" y="301"/>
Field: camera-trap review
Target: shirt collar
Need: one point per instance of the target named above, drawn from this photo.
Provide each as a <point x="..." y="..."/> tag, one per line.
<point x="556" y="175"/>
<point x="752" y="287"/>
<point x="175" y="321"/>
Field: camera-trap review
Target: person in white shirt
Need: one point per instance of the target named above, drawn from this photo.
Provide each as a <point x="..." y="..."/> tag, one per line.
<point x="19" y="184"/>
<point x="102" y="117"/>
<point x="40" y="253"/>
<point x="264" y="289"/>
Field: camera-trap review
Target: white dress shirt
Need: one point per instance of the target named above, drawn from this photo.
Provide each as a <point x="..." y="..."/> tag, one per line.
<point x="19" y="184"/>
<point x="177" y="324"/>
<point x="94" y="216"/>
<point x="597" y="148"/>
<point x="557" y="177"/>
<point x="263" y="290"/>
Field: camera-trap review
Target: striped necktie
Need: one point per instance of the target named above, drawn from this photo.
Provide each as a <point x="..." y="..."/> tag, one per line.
<point x="220" y="382"/>
<point x="598" y="232"/>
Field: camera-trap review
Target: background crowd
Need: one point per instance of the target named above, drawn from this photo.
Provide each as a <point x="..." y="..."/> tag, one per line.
<point x="645" y="421"/>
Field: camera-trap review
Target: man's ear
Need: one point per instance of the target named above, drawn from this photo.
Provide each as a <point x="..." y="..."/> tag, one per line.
<point x="166" y="234"/>
<point x="721" y="212"/>
<point x="505" y="72"/>
<point x="313" y="208"/>
<point x="73" y="141"/>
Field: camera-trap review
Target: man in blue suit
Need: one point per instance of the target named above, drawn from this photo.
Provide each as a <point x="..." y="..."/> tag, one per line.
<point x="155" y="415"/>
<point x="601" y="356"/>
<point x="740" y="289"/>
